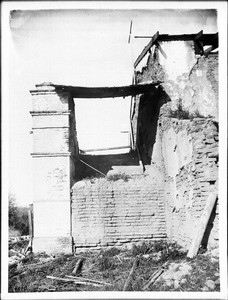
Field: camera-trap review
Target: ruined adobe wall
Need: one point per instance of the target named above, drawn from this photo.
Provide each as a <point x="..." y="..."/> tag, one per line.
<point x="115" y="213"/>
<point x="183" y="147"/>
<point x="189" y="79"/>
<point x="190" y="159"/>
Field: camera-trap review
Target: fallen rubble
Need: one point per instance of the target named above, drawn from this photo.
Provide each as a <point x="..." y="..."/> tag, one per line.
<point x="149" y="267"/>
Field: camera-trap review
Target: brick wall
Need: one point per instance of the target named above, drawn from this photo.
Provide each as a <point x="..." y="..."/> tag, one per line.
<point x="195" y="170"/>
<point x="112" y="213"/>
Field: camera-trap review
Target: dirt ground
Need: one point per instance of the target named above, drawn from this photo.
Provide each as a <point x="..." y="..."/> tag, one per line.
<point x="158" y="266"/>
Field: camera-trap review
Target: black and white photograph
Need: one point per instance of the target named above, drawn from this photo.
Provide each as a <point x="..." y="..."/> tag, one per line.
<point x="114" y="150"/>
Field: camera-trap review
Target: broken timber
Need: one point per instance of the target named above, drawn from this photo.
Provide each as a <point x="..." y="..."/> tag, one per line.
<point x="146" y="49"/>
<point x="99" y="92"/>
<point x="128" y="281"/>
<point x="203" y="223"/>
<point x="153" y="278"/>
<point x="78" y="268"/>
<point x="87" y="279"/>
<point x="200" y="38"/>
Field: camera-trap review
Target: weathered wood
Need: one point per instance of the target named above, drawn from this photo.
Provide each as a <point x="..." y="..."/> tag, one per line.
<point x="153" y="278"/>
<point x="104" y="92"/>
<point x="198" y="35"/>
<point x="203" y="223"/>
<point x="71" y="280"/>
<point x="78" y="268"/>
<point x="207" y="38"/>
<point x="87" y="279"/>
<point x="146" y="49"/>
<point x="103" y="149"/>
<point x="29" y="246"/>
<point x="209" y="49"/>
<point x="160" y="49"/>
<point x="92" y="169"/>
<point x="129" y="38"/>
<point x="128" y="281"/>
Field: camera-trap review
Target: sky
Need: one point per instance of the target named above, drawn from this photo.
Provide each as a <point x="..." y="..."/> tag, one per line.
<point x="81" y="47"/>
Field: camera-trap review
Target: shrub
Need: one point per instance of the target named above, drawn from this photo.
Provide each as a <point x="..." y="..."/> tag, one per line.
<point x="182" y="114"/>
<point x="144" y="248"/>
<point x="18" y="216"/>
<point x="116" y="177"/>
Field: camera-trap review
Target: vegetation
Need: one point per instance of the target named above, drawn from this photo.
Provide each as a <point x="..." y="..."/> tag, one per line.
<point x="113" y="266"/>
<point x="18" y="217"/>
<point x="182" y="114"/>
<point x="116" y="177"/>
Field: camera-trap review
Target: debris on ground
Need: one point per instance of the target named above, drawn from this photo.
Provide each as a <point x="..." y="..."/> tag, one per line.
<point x="158" y="266"/>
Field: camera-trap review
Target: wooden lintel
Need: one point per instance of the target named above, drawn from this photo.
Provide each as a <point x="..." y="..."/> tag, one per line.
<point x="146" y="49"/>
<point x="106" y="92"/>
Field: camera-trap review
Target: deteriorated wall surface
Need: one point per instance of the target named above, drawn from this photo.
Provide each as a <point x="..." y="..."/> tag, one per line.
<point x="181" y="139"/>
<point x="190" y="156"/>
<point x="179" y="152"/>
<point x="188" y="79"/>
<point x="114" y="213"/>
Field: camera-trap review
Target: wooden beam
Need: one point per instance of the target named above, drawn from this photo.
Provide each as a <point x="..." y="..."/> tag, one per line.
<point x="160" y="49"/>
<point x="211" y="48"/>
<point x="129" y="38"/>
<point x="198" y="35"/>
<point x="105" y="92"/>
<point x="146" y="49"/>
<point x="203" y="222"/>
<point x="207" y="38"/>
<point x="104" y="149"/>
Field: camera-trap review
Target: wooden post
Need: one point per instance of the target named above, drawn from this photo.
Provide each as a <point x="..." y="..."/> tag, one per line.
<point x="203" y="223"/>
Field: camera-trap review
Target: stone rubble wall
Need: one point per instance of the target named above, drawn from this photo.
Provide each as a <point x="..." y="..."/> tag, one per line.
<point x="114" y="213"/>
<point x="190" y="157"/>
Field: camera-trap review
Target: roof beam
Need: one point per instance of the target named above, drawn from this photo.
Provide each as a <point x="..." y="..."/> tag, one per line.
<point x="198" y="35"/>
<point x="207" y="38"/>
<point x="199" y="43"/>
<point x="146" y="49"/>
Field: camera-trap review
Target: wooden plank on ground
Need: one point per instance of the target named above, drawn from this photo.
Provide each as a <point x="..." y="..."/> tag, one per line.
<point x="146" y="49"/>
<point x="203" y="223"/>
<point x="153" y="278"/>
<point x="128" y="281"/>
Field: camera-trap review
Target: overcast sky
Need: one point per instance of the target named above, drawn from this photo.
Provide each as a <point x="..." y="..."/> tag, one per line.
<point x="82" y="48"/>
